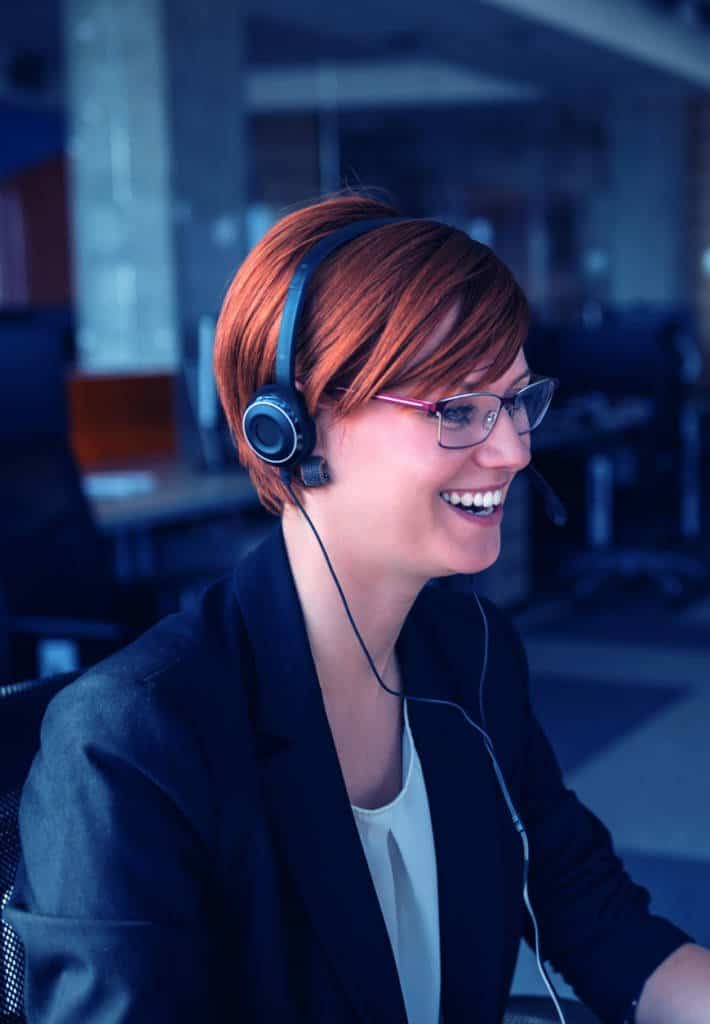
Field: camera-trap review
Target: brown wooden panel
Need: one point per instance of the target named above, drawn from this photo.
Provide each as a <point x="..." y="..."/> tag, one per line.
<point x="40" y="240"/>
<point x="122" y="419"/>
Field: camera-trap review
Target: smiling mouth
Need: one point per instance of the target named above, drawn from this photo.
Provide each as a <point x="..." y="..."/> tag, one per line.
<point x="477" y="503"/>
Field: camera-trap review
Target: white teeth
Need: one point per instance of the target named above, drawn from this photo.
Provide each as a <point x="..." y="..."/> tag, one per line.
<point x="469" y="499"/>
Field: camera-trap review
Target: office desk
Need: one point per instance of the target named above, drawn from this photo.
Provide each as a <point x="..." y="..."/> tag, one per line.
<point x="145" y="497"/>
<point x="174" y="525"/>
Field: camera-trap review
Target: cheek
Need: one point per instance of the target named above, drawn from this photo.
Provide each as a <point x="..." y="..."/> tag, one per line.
<point x="392" y="474"/>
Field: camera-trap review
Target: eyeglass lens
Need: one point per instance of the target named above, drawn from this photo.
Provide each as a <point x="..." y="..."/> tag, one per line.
<point x="469" y="420"/>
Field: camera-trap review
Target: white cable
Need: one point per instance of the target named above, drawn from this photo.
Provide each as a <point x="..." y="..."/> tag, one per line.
<point x="516" y="818"/>
<point x="488" y="743"/>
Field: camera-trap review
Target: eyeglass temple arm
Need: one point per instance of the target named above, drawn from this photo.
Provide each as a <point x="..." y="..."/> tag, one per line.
<point x="415" y="403"/>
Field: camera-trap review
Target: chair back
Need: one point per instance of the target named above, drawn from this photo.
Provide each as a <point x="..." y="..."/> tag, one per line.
<point x="22" y="706"/>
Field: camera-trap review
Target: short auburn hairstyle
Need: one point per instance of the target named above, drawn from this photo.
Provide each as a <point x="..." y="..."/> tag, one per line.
<point x="369" y="310"/>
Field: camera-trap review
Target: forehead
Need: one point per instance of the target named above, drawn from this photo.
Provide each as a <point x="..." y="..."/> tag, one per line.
<point x="518" y="369"/>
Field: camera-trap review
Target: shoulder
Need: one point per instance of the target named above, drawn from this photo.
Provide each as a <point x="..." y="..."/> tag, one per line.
<point x="169" y="706"/>
<point x="162" y="661"/>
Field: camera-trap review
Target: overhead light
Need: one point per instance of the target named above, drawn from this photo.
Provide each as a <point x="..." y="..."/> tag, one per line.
<point x="378" y="83"/>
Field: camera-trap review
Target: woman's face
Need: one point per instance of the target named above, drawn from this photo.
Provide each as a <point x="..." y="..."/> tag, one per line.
<point x="388" y="475"/>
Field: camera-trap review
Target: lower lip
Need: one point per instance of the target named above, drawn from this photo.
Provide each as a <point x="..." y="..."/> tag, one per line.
<point x="492" y="520"/>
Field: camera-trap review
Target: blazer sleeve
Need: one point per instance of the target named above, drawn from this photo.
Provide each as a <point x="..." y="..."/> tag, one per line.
<point x="594" y="921"/>
<point x="112" y="895"/>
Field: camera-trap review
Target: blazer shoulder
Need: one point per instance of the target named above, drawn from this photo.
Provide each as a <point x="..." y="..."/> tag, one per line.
<point x="186" y="650"/>
<point x="172" y="703"/>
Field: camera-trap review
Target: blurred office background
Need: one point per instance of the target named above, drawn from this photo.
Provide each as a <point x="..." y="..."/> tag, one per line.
<point x="147" y="145"/>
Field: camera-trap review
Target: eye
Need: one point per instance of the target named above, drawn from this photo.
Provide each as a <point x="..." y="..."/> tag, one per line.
<point x="459" y="414"/>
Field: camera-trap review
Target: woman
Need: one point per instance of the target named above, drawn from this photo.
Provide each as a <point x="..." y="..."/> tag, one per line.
<point x="239" y="816"/>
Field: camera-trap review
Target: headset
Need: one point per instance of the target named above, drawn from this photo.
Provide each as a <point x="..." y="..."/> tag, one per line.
<point x="276" y="423"/>
<point x="279" y="430"/>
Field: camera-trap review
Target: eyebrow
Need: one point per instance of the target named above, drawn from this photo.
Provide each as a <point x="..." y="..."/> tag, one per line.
<point x="526" y="373"/>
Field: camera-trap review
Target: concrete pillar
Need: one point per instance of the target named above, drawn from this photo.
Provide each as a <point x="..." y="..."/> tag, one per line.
<point x="120" y="189"/>
<point x="648" y="165"/>
<point x="158" y="178"/>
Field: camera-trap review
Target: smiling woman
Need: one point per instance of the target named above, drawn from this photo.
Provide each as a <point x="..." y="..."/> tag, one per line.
<point x="370" y="317"/>
<point x="305" y="799"/>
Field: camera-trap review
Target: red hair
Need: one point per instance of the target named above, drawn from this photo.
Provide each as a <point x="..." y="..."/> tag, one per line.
<point x="369" y="310"/>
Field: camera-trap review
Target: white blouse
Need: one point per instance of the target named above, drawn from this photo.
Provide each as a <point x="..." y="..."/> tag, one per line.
<point x="399" y="848"/>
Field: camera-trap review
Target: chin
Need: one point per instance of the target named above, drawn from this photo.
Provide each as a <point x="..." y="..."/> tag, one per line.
<point x="467" y="563"/>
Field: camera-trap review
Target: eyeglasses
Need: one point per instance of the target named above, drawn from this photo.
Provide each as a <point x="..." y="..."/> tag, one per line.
<point x="467" y="420"/>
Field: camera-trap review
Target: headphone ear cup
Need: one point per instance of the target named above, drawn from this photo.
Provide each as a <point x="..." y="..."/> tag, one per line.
<point x="278" y="427"/>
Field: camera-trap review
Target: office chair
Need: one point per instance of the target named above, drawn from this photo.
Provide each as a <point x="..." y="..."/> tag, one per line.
<point x="22" y="706"/>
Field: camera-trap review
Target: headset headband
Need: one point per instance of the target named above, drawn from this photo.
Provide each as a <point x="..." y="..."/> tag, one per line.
<point x="286" y="348"/>
<point x="276" y="422"/>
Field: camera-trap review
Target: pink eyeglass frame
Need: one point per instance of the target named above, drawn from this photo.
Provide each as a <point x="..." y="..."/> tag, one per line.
<point x="432" y="408"/>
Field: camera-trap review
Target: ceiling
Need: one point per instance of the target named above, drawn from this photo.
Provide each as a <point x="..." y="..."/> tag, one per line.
<point x="496" y="37"/>
<point x="510" y="41"/>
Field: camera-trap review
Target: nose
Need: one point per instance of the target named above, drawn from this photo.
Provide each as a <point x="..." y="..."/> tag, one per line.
<point x="504" y="447"/>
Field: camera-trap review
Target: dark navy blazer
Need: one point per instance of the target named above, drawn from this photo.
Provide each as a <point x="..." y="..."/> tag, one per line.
<point x="190" y="853"/>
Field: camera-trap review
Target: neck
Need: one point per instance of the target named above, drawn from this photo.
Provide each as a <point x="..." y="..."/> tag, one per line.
<point x="379" y="603"/>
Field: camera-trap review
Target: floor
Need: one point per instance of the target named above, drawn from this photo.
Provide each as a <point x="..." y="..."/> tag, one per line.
<point x="623" y="692"/>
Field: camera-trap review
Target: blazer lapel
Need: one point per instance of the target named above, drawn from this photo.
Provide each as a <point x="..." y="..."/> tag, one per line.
<point x="305" y="790"/>
<point x="463" y="798"/>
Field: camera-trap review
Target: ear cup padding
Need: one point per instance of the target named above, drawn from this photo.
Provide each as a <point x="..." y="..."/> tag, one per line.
<point x="278" y="427"/>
